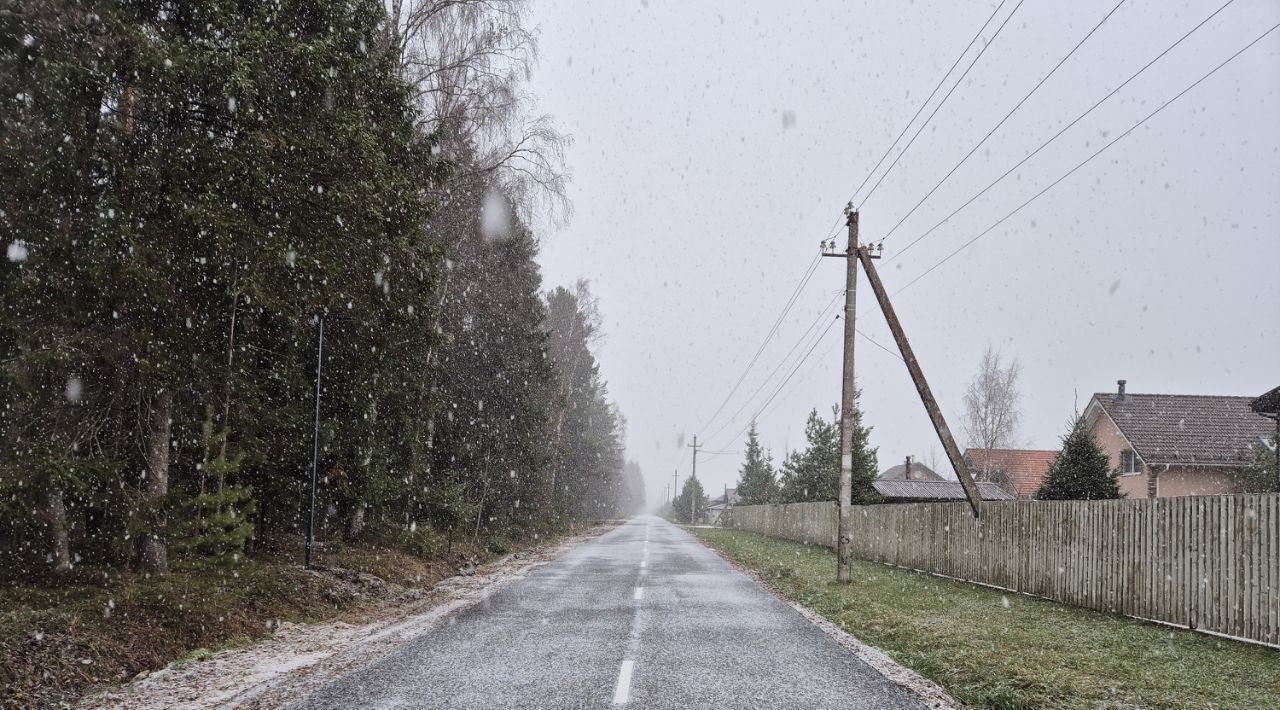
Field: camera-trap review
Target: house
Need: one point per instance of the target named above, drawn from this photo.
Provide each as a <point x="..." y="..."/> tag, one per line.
<point x="901" y="491"/>
<point x="1019" y="471"/>
<point x="721" y="503"/>
<point x="1168" y="445"/>
<point x="909" y="471"/>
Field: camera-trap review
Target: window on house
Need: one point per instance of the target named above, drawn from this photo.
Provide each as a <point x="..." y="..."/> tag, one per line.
<point x="1129" y="462"/>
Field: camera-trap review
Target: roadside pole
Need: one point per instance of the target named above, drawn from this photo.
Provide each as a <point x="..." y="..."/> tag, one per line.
<point x="692" y="498"/>
<point x="315" y="443"/>
<point x="846" y="399"/>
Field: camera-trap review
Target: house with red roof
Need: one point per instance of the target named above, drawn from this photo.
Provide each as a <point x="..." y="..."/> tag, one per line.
<point x="1021" y="472"/>
<point x="1168" y="445"/>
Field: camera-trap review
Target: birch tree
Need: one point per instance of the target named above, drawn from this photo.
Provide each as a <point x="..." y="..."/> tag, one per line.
<point x="992" y="415"/>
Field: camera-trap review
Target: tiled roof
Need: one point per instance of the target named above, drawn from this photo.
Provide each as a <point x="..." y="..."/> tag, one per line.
<point x="1187" y="429"/>
<point x="935" y="490"/>
<point x="919" y="472"/>
<point x="1025" y="469"/>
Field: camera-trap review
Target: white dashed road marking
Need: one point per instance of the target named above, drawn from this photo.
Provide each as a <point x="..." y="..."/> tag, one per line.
<point x="622" y="691"/>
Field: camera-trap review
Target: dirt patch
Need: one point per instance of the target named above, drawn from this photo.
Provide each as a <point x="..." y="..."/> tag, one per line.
<point x="297" y="658"/>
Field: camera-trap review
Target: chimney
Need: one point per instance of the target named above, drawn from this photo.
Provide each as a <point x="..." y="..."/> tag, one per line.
<point x="906" y="473"/>
<point x="1120" y="390"/>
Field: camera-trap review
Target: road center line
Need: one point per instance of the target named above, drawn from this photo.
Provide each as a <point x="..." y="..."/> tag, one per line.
<point x="639" y="593"/>
<point x="622" y="691"/>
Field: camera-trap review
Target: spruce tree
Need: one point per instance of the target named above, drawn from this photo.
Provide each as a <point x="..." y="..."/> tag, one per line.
<point x="757" y="483"/>
<point x="814" y="474"/>
<point x="1081" y="471"/>
<point x="691" y="502"/>
<point x="1259" y="474"/>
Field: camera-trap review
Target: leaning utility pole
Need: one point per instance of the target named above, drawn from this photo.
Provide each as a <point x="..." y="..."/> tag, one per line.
<point x="922" y="386"/>
<point x="846" y="396"/>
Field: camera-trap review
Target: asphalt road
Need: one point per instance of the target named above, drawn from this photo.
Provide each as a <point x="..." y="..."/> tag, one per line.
<point x="643" y="616"/>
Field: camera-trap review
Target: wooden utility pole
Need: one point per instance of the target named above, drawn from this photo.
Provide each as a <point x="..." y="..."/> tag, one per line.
<point x="692" y="499"/>
<point x="922" y="386"/>
<point x="846" y="399"/>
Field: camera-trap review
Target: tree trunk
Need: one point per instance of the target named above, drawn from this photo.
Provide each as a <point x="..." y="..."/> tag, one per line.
<point x="357" y="520"/>
<point x="57" y="512"/>
<point x="154" y="554"/>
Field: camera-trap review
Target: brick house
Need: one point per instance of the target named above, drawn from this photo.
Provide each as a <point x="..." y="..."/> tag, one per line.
<point x="1168" y="445"/>
<point x="1021" y="472"/>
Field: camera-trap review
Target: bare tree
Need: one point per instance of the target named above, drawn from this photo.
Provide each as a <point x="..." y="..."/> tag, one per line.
<point x="468" y="61"/>
<point x="991" y="410"/>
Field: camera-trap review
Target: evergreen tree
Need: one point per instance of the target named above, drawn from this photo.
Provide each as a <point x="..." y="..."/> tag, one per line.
<point x="587" y="431"/>
<point x="1259" y="474"/>
<point x="757" y="483"/>
<point x="814" y="474"/>
<point x="691" y="503"/>
<point x="1081" y="471"/>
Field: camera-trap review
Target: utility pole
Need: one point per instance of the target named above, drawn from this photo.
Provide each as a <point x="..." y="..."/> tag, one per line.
<point x="692" y="502"/>
<point x="315" y="442"/>
<point x="922" y="386"/>
<point x="846" y="394"/>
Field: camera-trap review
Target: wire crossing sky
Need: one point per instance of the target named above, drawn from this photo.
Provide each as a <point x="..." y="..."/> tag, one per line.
<point x="713" y="146"/>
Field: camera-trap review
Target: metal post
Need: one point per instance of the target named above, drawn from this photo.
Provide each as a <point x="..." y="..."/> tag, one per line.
<point x="315" y="442"/>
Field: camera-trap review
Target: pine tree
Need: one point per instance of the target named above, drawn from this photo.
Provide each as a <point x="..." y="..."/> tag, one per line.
<point x="757" y="483"/>
<point x="1081" y="471"/>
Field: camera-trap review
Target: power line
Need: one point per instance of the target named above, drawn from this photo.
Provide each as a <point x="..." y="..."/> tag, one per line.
<point x="805" y="376"/>
<point x="1082" y="163"/>
<point x="826" y="351"/>
<point x="794" y="370"/>
<point x="804" y="280"/>
<point x="941" y="81"/>
<point x="1055" y="136"/>
<point x="799" y="341"/>
<point x="1002" y="121"/>
<point x="943" y="101"/>
<point x="876" y="343"/>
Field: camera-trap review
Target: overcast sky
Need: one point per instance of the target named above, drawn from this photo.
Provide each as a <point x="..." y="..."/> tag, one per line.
<point x="716" y="143"/>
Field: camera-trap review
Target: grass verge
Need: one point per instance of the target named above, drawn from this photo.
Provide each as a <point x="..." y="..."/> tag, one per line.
<point x="1001" y="650"/>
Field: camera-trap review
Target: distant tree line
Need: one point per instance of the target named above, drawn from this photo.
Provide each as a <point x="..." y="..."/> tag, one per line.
<point x="186" y="187"/>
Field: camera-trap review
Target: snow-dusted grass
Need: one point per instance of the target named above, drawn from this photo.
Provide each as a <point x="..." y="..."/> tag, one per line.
<point x="997" y="650"/>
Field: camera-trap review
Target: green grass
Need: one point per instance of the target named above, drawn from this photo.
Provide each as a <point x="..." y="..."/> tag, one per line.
<point x="1001" y="650"/>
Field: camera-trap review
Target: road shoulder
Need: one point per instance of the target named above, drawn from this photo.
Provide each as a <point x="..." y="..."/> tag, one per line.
<point x="297" y="658"/>
<point x="932" y="694"/>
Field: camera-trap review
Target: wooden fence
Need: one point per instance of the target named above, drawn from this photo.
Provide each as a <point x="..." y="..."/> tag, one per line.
<point x="1208" y="562"/>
